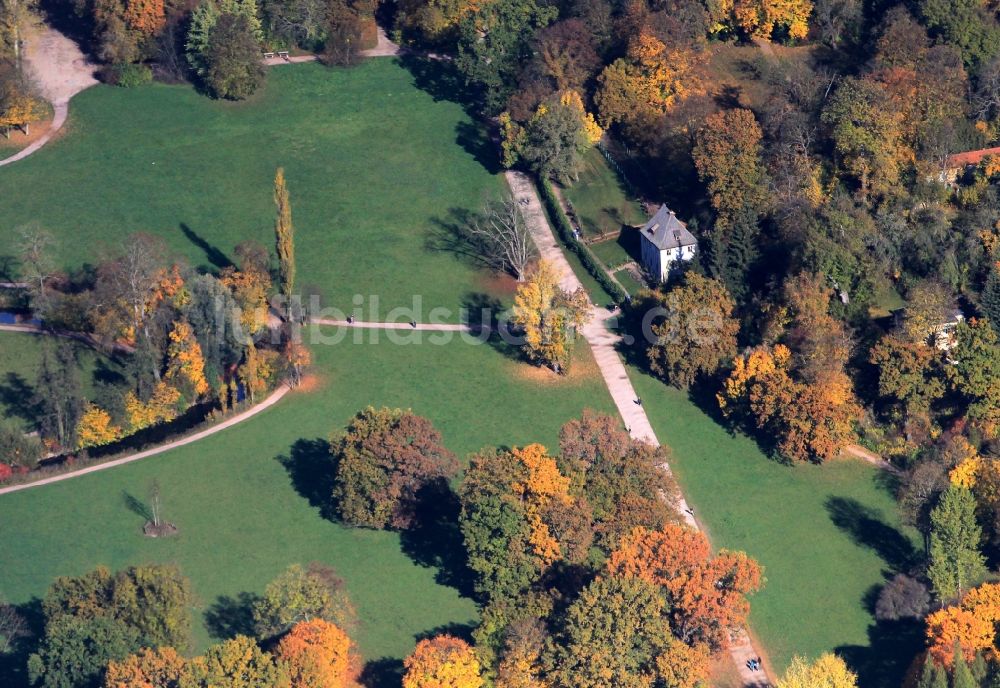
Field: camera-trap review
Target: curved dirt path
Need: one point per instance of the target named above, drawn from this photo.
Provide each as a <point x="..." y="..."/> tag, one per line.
<point x="603" y="342"/>
<point x="275" y="397"/>
<point x="60" y="70"/>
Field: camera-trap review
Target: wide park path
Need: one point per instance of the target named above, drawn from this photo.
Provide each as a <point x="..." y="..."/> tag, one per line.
<point x="603" y="342"/>
<point x="61" y="71"/>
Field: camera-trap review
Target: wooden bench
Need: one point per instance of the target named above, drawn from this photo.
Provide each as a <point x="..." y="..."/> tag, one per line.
<point x="283" y="54"/>
<point x="268" y="56"/>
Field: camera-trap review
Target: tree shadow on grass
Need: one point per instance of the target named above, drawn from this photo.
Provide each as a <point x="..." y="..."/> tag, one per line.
<point x="215" y="256"/>
<point x="439" y="78"/>
<point x="231" y="616"/>
<point x="891" y="649"/>
<point x="458" y="630"/>
<point x="18" y="398"/>
<point x="475" y="140"/>
<point x="436" y="540"/>
<point x="13" y="663"/>
<point x="137" y="506"/>
<point x="385" y="672"/>
<point x="867" y="529"/>
<point x="451" y="235"/>
<point x="311" y="467"/>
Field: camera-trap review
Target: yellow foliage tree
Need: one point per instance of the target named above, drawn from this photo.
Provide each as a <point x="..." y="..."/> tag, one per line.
<point x="759" y="18"/>
<point x="591" y="129"/>
<point x="549" y="316"/>
<point x="543" y="486"/>
<point x="19" y="110"/>
<point x="162" y="407"/>
<point x="829" y="671"/>
<point x="249" y="288"/>
<point x="95" y="428"/>
<point x="148" y="668"/>
<point x="648" y="81"/>
<point x="185" y="363"/>
<point x="442" y="662"/>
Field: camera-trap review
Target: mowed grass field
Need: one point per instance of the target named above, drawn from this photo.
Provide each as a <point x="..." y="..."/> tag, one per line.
<point x="242" y="520"/>
<point x="376" y="167"/>
<point x="827" y="536"/>
<point x="20" y="361"/>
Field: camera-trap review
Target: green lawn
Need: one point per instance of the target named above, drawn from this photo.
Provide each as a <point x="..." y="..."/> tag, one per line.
<point x="826" y="535"/>
<point x="20" y="358"/>
<point x="241" y="520"/>
<point x="600" y="199"/>
<point x="631" y="284"/>
<point x="377" y="169"/>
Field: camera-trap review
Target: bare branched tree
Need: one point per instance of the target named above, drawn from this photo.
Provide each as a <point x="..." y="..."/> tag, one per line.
<point x="503" y="236"/>
<point x="36" y="264"/>
<point x="12" y="626"/>
<point x="154" y="502"/>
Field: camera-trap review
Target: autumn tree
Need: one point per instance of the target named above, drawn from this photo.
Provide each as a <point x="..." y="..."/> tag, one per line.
<point x="442" y="662"/>
<point x="955" y="563"/>
<point x="518" y="518"/>
<point x="613" y="634"/>
<point x="909" y="373"/>
<point x="145" y="16"/>
<point x="566" y="54"/>
<point x="622" y="479"/>
<point x="696" y="333"/>
<point x="317" y="654"/>
<point x="383" y="462"/>
<point x="302" y="594"/>
<point x="727" y="154"/>
<point x="556" y="137"/>
<point x="829" y="671"/>
<point x="549" y="316"/>
<point x="955" y="626"/>
<point x="239" y="663"/>
<point x="649" y="81"/>
<point x="185" y="363"/>
<point x="706" y="595"/>
<point x="866" y="132"/>
<point x="284" y="235"/>
<point x="93" y="619"/>
<point x="149" y="668"/>
<point x="95" y="428"/>
<point x="19" y="107"/>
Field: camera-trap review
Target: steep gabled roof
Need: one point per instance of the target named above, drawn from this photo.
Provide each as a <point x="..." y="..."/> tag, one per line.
<point x="665" y="231"/>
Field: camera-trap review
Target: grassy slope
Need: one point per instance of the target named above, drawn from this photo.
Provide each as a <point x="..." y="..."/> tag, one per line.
<point x="600" y="199"/>
<point x="20" y="358"/>
<point x="826" y="535"/>
<point x="372" y="166"/>
<point x="240" y="519"/>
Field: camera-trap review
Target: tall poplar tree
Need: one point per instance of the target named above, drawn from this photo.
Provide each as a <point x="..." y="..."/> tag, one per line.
<point x="284" y="235"/>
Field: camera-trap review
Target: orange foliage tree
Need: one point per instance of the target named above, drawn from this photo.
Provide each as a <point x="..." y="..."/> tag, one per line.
<point x="442" y="662"/>
<point x="970" y="625"/>
<point x="317" y="654"/>
<point x="544" y="487"/>
<point x="145" y="16"/>
<point x="706" y="594"/>
<point x="148" y="668"/>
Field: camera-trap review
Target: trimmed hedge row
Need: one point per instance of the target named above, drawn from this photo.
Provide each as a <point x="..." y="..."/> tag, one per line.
<point x="591" y="264"/>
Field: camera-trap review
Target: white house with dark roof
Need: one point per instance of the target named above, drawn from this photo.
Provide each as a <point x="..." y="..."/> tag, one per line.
<point x="666" y="244"/>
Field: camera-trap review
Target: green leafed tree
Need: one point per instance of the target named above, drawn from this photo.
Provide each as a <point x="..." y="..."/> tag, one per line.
<point x="301" y="594"/>
<point x="233" y="68"/>
<point x="956" y="564"/>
